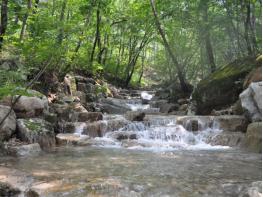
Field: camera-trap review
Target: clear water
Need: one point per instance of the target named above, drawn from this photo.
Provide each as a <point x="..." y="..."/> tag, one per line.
<point x="165" y="160"/>
<point x="93" y="171"/>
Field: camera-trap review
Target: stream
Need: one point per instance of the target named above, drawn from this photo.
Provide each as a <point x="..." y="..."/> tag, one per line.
<point x="162" y="158"/>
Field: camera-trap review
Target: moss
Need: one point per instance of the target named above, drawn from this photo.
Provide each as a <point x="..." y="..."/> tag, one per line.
<point x="33" y="126"/>
<point x="223" y="87"/>
<point x="12" y="90"/>
<point x="236" y="68"/>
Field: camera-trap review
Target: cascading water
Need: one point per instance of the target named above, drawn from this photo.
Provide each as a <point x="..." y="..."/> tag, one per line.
<point x="165" y="134"/>
<point x="79" y="127"/>
<point x="162" y="132"/>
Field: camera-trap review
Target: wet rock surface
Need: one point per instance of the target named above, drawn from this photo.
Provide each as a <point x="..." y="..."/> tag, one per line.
<point x="22" y="149"/>
<point x="36" y="130"/>
<point x="9" y="125"/>
<point x="135" y="116"/>
<point x="253" y="140"/>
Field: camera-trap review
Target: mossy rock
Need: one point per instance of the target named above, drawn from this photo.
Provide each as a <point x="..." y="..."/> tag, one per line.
<point x="35" y="130"/>
<point x="12" y="90"/>
<point x="222" y="88"/>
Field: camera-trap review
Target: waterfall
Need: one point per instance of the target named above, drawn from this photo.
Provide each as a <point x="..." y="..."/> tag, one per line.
<point x="167" y="133"/>
<point x="79" y="127"/>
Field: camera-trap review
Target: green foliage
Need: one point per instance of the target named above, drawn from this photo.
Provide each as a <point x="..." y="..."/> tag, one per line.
<point x="67" y="36"/>
<point x="12" y="90"/>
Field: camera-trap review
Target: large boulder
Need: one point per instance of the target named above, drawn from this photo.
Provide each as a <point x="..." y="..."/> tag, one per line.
<point x="36" y="130"/>
<point x="232" y="123"/>
<point x="28" y="106"/>
<point x="100" y="128"/>
<point x="20" y="149"/>
<point x="232" y="139"/>
<point x="114" y="106"/>
<point x="67" y="112"/>
<point x="253" y="140"/>
<point x="222" y="88"/>
<point x="251" y="101"/>
<point x="9" y="125"/>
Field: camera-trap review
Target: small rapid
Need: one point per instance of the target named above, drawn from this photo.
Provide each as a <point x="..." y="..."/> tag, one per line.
<point x="164" y="134"/>
<point x="159" y="132"/>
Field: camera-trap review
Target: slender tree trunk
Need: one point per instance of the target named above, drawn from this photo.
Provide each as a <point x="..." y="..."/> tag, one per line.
<point x="183" y="84"/>
<point x="97" y="36"/>
<point x="60" y="36"/>
<point x="24" y="23"/>
<point x="53" y="7"/>
<point x="134" y="57"/>
<point x="208" y="45"/>
<point x="142" y="69"/>
<point x="252" y="27"/>
<point x="119" y="59"/>
<point x="4" y="21"/>
<point x="246" y="26"/>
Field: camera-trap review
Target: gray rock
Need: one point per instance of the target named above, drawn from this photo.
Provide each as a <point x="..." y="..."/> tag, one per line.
<point x="168" y="107"/>
<point x="9" y="125"/>
<point x="51" y="117"/>
<point x="134" y="116"/>
<point x="251" y="101"/>
<point x="23" y="149"/>
<point x="183" y="107"/>
<point x="6" y="190"/>
<point x="252" y="190"/>
<point x="31" y="193"/>
<point x="29" y="107"/>
<point x="232" y="139"/>
<point x="182" y="101"/>
<point x="70" y="139"/>
<point x="123" y="135"/>
<point x="253" y="140"/>
<point x="193" y="125"/>
<point x="232" y="123"/>
<point x="89" y="116"/>
<point x="100" y="128"/>
<point x="158" y="103"/>
<point x="36" y="130"/>
<point x="114" y="106"/>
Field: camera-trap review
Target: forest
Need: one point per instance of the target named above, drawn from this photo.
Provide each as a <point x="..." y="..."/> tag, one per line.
<point x="130" y="98"/>
<point x="130" y="42"/>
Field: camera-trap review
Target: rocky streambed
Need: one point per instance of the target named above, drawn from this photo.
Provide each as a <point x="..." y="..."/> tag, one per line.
<point x="95" y="171"/>
<point x="129" y="145"/>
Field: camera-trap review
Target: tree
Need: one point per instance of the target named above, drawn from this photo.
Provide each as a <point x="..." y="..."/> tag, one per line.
<point x="183" y="84"/>
<point x="4" y="21"/>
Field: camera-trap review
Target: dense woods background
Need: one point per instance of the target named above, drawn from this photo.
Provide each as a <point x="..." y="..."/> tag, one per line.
<point x="129" y="42"/>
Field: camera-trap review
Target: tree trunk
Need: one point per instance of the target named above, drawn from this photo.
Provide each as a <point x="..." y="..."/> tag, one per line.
<point x="208" y="45"/>
<point x="246" y="27"/>
<point x="4" y="21"/>
<point x="97" y="36"/>
<point x="142" y="69"/>
<point x="60" y="36"/>
<point x="183" y="84"/>
<point x="24" y="23"/>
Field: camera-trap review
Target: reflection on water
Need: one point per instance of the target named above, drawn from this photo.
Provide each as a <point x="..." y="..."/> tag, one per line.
<point x="93" y="171"/>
